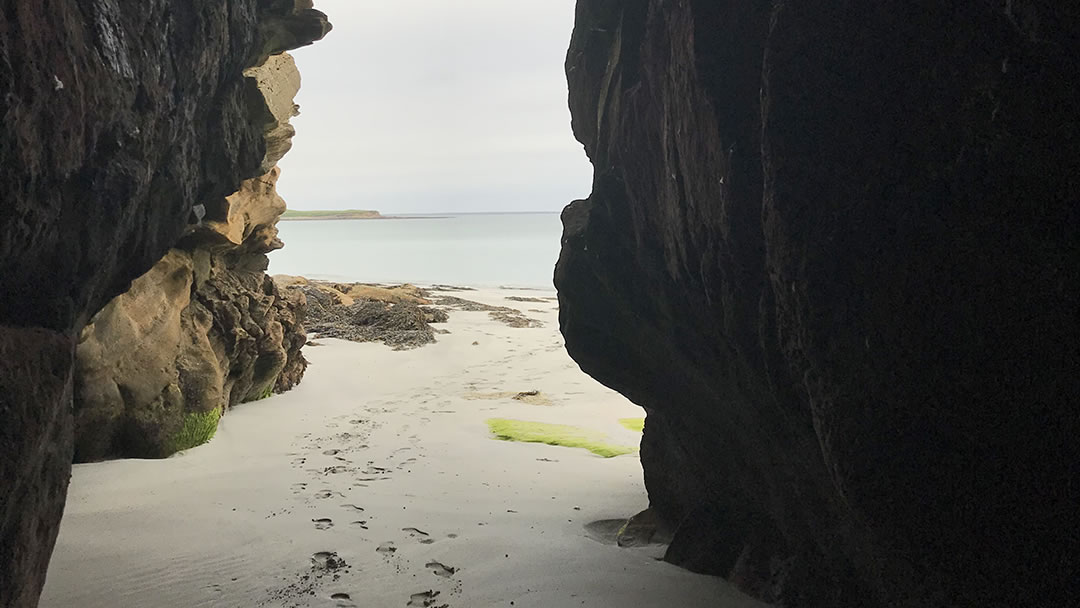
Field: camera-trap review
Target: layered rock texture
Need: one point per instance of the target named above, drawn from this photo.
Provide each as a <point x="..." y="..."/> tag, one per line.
<point x="832" y="248"/>
<point x="204" y="329"/>
<point x="120" y="118"/>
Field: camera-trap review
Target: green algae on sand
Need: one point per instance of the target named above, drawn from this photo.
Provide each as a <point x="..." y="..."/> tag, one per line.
<point x="634" y="424"/>
<point x="556" y="434"/>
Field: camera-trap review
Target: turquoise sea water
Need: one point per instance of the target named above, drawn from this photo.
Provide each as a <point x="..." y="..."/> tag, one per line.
<point x="475" y="250"/>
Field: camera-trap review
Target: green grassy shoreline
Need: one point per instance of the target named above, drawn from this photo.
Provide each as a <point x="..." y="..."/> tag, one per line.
<point x="332" y="214"/>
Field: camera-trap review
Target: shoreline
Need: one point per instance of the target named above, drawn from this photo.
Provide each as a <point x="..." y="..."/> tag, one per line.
<point x="426" y="285"/>
<point x="302" y="216"/>
<point x="377" y="481"/>
<point x="351" y="218"/>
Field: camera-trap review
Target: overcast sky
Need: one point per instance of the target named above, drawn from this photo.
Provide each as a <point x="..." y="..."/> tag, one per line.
<point x="415" y="106"/>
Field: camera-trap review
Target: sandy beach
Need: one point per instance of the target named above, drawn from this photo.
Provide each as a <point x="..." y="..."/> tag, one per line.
<point x="377" y="482"/>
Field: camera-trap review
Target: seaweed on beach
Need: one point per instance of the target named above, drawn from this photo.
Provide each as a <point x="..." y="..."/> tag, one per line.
<point x="503" y="314"/>
<point x="400" y="325"/>
<point x="556" y="434"/>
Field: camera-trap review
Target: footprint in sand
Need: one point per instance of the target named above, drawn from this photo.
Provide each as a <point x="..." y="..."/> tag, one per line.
<point x="353" y="508"/>
<point x="323" y="494"/>
<point x="387" y="548"/>
<point x="331" y="452"/>
<point x="342" y="600"/>
<point x="327" y="560"/>
<point x="439" y="569"/>
<point x="323" y="523"/>
<point x="359" y="524"/>
<point x="414" y="532"/>
<point x="423" y="599"/>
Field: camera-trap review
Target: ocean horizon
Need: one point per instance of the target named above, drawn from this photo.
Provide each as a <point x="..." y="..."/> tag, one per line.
<point x="471" y="249"/>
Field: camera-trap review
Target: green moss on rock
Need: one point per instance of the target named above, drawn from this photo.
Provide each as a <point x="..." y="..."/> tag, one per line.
<point x="198" y="428"/>
<point x="556" y="434"/>
<point x="263" y="394"/>
<point x="634" y="424"/>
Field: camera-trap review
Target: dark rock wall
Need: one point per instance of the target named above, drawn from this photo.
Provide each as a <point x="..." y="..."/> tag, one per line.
<point x="834" y="249"/>
<point x="118" y="117"/>
<point x="35" y="462"/>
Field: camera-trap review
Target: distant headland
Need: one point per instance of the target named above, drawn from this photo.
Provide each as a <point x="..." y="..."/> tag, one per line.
<point x="332" y="214"/>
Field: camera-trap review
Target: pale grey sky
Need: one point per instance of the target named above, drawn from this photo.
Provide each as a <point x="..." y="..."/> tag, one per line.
<point x="416" y="106"/>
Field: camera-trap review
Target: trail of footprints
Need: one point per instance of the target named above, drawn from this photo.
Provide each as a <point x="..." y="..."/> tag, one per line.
<point x="335" y="455"/>
<point x="428" y="598"/>
<point x="339" y="455"/>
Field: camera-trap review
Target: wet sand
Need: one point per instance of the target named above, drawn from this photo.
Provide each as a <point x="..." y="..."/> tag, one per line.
<point x="376" y="483"/>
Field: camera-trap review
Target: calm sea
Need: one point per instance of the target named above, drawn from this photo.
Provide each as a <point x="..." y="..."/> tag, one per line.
<point x="475" y="250"/>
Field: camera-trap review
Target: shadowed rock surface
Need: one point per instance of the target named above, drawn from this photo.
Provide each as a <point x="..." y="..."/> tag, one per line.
<point x="832" y="248"/>
<point x="116" y="126"/>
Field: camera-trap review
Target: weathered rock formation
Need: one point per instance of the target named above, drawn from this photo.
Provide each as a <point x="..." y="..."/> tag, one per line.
<point x="832" y="248"/>
<point x="203" y="330"/>
<point x="120" y="116"/>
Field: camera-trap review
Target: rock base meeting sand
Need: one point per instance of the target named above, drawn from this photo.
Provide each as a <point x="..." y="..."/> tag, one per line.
<point x="378" y="483"/>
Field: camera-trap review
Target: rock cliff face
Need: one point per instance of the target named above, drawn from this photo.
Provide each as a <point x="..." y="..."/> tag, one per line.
<point x="117" y="123"/>
<point x="832" y="248"/>
<point x="204" y="329"/>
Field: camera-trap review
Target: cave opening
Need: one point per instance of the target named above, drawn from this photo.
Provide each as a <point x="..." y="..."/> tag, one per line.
<point x="831" y="248"/>
<point x="399" y="420"/>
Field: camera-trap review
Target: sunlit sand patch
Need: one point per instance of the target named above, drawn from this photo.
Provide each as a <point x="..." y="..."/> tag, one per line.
<point x="556" y="434"/>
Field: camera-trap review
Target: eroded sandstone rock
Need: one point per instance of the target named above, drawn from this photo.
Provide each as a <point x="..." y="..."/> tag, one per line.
<point x="833" y="249"/>
<point x="278" y="81"/>
<point x="203" y="330"/>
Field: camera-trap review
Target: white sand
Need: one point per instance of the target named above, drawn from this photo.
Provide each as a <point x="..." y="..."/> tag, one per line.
<point x="231" y="523"/>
